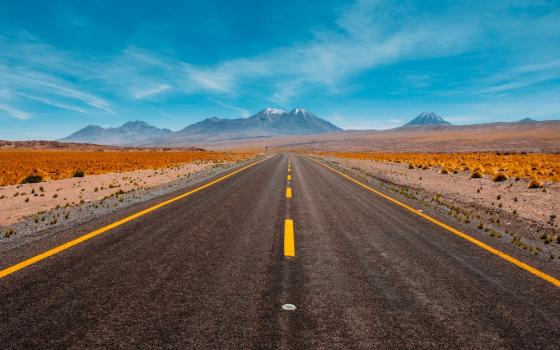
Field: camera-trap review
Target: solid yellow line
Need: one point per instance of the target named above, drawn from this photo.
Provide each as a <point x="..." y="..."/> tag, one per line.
<point x="81" y="239"/>
<point x="463" y="235"/>
<point x="289" y="177"/>
<point x="289" y="244"/>
<point x="288" y="192"/>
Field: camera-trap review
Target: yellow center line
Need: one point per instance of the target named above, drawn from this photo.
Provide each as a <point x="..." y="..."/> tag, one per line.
<point x="289" y="244"/>
<point x="463" y="235"/>
<point x="288" y="192"/>
<point x="81" y="239"/>
<point x="289" y="177"/>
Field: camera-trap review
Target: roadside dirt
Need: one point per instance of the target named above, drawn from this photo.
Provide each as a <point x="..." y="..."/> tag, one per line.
<point x="19" y="201"/>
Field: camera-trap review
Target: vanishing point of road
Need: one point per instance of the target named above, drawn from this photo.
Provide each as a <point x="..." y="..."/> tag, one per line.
<point x="282" y="254"/>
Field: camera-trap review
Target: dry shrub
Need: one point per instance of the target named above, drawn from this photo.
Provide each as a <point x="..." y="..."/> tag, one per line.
<point x="499" y="177"/>
<point x="32" y="179"/>
<point x="476" y="175"/>
<point x="444" y="171"/>
<point x="535" y="183"/>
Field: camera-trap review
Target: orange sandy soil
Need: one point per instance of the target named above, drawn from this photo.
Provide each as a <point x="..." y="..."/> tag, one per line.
<point x="16" y="165"/>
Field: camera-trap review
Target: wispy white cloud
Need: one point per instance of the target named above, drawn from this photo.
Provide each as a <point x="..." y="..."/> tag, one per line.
<point x="38" y="71"/>
<point x="242" y="111"/>
<point x="515" y="77"/>
<point x="53" y="103"/>
<point x="86" y="98"/>
<point x="151" y="91"/>
<point x="15" y="113"/>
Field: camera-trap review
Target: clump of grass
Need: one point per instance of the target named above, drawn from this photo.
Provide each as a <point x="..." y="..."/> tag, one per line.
<point x="9" y="232"/>
<point x="499" y="177"/>
<point x="476" y="175"/>
<point x="444" y="171"/>
<point x="410" y="166"/>
<point x="546" y="238"/>
<point x="79" y="173"/>
<point x="32" y="179"/>
<point x="535" y="184"/>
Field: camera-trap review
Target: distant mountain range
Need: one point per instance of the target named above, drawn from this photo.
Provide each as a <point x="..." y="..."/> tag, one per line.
<point x="266" y="123"/>
<point x="131" y="133"/>
<point x="431" y="118"/>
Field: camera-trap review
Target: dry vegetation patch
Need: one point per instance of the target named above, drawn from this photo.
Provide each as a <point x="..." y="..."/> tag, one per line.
<point x="500" y="166"/>
<point x="31" y="166"/>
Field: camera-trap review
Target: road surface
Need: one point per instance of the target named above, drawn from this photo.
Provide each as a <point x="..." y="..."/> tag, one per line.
<point x="215" y="270"/>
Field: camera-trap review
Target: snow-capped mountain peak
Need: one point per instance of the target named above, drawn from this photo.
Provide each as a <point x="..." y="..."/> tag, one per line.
<point x="274" y="110"/>
<point x="298" y="110"/>
<point x="428" y="118"/>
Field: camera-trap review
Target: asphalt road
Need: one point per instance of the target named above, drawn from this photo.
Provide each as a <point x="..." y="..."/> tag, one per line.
<point x="209" y="272"/>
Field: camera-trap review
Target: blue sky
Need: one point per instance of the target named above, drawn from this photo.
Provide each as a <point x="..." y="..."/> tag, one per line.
<point x="363" y="64"/>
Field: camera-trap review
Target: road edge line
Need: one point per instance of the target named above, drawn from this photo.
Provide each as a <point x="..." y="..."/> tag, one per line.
<point x="534" y="271"/>
<point x="62" y="247"/>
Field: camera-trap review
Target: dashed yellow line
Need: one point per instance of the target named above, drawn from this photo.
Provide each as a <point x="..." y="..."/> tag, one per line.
<point x="289" y="244"/>
<point x="289" y="177"/>
<point x="288" y="192"/>
<point x="81" y="239"/>
<point x="463" y="235"/>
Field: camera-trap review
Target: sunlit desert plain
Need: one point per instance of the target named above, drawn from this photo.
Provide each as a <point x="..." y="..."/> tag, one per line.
<point x="24" y="166"/>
